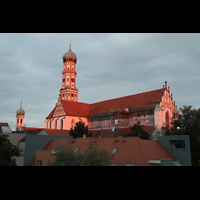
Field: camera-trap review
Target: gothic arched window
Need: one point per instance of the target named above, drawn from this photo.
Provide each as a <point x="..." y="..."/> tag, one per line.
<point x="61" y="124"/>
<point x="167" y="119"/>
<point x="56" y="124"/>
<point x="72" y="123"/>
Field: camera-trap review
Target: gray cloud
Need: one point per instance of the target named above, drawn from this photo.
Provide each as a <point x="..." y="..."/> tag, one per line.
<point x="108" y="66"/>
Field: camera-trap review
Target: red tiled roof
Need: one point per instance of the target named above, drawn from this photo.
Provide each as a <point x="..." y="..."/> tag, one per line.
<point x="31" y="128"/>
<point x="51" y="114"/>
<point x="76" y="108"/>
<point x="79" y="109"/>
<point x="58" y="132"/>
<point x="132" y="150"/>
<point x="134" y="101"/>
<point x="3" y="124"/>
<point x="73" y="109"/>
<point x="149" y="129"/>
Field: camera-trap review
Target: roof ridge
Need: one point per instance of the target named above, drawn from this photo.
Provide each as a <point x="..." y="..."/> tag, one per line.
<point x="128" y="96"/>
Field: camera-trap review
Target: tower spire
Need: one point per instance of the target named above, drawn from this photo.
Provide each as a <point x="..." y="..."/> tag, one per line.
<point x="70" y="44"/>
<point x="20" y="117"/>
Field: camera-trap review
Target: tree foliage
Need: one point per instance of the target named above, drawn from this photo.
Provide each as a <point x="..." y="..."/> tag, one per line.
<point x="92" y="157"/>
<point x="190" y="120"/>
<point x="79" y="130"/>
<point x="137" y="131"/>
<point x="7" y="152"/>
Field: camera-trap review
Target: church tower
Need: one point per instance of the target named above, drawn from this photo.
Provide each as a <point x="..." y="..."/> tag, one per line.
<point x="20" y="117"/>
<point x="69" y="91"/>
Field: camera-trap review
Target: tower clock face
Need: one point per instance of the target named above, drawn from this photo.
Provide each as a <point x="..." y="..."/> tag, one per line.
<point x="72" y="79"/>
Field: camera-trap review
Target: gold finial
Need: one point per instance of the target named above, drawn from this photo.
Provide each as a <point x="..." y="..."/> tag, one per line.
<point x="21" y="103"/>
<point x="70" y="45"/>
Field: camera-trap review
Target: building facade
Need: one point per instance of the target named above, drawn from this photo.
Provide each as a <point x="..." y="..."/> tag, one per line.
<point x="154" y="108"/>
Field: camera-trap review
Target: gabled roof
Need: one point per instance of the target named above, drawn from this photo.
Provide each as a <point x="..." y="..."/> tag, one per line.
<point x="51" y="114"/>
<point x="36" y="131"/>
<point x="5" y="128"/>
<point x="78" y="109"/>
<point x="132" y="150"/>
<point x="3" y="124"/>
<point x="73" y="108"/>
<point x="35" y="142"/>
<point x="57" y="132"/>
<point x="146" y="99"/>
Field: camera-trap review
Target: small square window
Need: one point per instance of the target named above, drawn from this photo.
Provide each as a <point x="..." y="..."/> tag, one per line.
<point x="114" y="150"/>
<point x="39" y="162"/>
<point x="76" y="150"/>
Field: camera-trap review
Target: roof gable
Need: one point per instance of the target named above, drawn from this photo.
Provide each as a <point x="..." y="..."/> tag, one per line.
<point x="59" y="110"/>
<point x="70" y="108"/>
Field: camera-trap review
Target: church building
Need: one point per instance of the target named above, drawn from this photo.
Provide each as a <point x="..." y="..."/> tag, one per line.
<point x="112" y="117"/>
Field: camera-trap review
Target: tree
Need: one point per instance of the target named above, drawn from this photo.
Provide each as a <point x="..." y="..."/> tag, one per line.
<point x="79" y="130"/>
<point x="65" y="156"/>
<point x="7" y="152"/>
<point x="190" y="120"/>
<point x="92" y="157"/>
<point x="97" y="157"/>
<point x="137" y="131"/>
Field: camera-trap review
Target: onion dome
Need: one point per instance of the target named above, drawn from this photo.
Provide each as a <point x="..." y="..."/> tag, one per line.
<point x="20" y="111"/>
<point x="69" y="55"/>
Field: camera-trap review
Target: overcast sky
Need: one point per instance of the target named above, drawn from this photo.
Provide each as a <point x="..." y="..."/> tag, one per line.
<point x="109" y="65"/>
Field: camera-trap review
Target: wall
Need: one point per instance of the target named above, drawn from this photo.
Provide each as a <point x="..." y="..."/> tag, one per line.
<point x="67" y="121"/>
<point x="167" y="106"/>
<point x="37" y="142"/>
<point x="180" y="154"/>
<point x="19" y="118"/>
<point x="44" y="156"/>
<point x="146" y="120"/>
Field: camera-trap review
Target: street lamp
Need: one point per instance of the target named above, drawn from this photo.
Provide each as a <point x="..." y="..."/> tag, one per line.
<point x="181" y="128"/>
